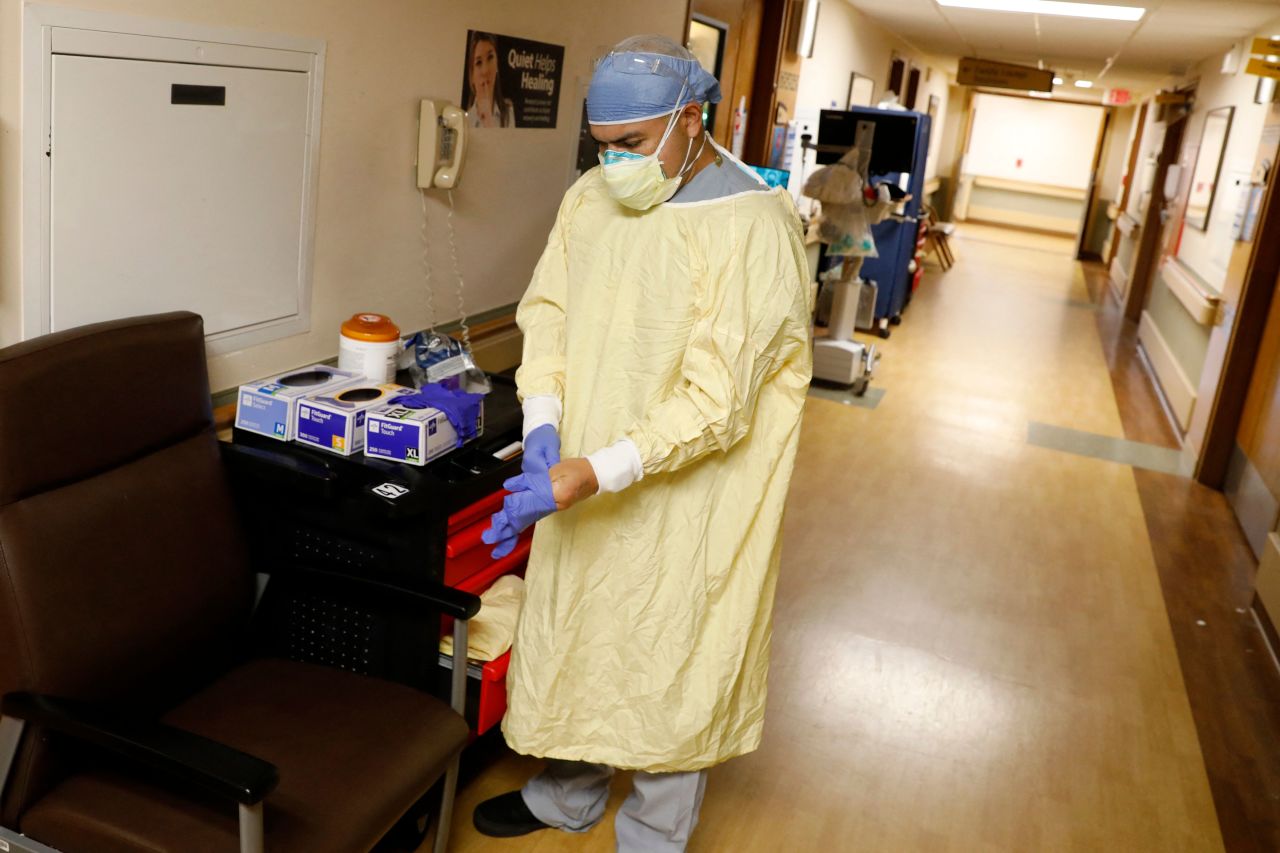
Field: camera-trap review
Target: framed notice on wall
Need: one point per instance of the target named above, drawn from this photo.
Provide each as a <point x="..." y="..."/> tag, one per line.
<point x="862" y="91"/>
<point x="511" y="82"/>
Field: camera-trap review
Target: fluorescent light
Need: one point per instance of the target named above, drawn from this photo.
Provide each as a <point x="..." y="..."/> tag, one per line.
<point x="1057" y="81"/>
<point x="1040" y="94"/>
<point x="1084" y="84"/>
<point x="1052" y="7"/>
<point x="809" y="28"/>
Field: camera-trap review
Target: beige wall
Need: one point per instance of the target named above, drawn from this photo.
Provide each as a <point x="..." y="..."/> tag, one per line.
<point x="1208" y="252"/>
<point x="950" y="143"/>
<point x="849" y="41"/>
<point x="382" y="58"/>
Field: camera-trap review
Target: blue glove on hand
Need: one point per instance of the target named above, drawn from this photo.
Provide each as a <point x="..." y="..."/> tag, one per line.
<point x="530" y="500"/>
<point x="541" y="450"/>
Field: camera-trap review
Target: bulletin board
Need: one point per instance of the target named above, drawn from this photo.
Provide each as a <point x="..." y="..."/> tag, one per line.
<point x="1033" y="141"/>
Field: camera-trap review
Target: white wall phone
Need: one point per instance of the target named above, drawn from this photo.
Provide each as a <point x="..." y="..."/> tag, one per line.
<point x="442" y="143"/>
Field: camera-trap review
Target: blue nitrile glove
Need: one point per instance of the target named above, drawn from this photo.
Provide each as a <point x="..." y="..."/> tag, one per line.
<point x="541" y="450"/>
<point x="530" y="500"/>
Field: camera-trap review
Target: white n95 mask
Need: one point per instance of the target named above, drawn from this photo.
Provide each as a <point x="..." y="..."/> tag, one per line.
<point x="637" y="180"/>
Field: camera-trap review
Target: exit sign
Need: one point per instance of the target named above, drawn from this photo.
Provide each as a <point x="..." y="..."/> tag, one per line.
<point x="1117" y="97"/>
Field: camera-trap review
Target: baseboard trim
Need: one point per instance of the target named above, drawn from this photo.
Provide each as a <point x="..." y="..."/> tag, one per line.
<point x="1270" y="638"/>
<point x="999" y="216"/>
<point x="1176" y="387"/>
<point x="1155" y="384"/>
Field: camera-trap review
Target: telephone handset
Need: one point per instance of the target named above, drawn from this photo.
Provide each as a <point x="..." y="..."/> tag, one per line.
<point x="442" y="142"/>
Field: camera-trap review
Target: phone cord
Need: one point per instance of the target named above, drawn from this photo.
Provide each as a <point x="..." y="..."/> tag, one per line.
<point x="457" y="271"/>
<point x="426" y="267"/>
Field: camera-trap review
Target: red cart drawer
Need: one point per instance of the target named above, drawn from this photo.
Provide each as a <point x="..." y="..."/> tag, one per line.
<point x="470" y="567"/>
<point x="493" y="693"/>
<point x="478" y="511"/>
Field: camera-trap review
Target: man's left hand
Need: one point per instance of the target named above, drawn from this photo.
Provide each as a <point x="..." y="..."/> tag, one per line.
<point x="573" y="481"/>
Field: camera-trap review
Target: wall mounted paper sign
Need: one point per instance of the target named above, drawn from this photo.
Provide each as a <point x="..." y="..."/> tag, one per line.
<point x="511" y="82"/>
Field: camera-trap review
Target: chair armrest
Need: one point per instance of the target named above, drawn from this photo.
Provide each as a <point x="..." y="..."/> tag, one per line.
<point x="213" y="766"/>
<point x="450" y="602"/>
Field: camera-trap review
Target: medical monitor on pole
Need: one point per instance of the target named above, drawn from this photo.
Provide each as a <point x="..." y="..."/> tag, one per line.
<point x="894" y="141"/>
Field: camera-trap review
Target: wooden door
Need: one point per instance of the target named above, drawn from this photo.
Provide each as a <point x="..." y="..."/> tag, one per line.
<point x="738" y="65"/>
<point x="776" y="81"/>
<point x="1247" y="403"/>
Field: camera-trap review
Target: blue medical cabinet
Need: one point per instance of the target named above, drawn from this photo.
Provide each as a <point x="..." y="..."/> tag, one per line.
<point x="898" y="156"/>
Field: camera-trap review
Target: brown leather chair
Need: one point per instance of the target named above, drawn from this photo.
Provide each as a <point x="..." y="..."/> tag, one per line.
<point x="134" y="716"/>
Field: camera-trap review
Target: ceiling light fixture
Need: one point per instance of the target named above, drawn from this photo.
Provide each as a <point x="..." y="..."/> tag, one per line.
<point x="1057" y="81"/>
<point x="1052" y="7"/>
<point x="1084" y="84"/>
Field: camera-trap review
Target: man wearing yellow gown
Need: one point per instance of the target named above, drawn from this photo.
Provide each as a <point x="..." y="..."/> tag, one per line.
<point x="666" y="358"/>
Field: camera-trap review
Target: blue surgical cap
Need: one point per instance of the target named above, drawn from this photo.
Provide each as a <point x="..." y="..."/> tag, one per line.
<point x="647" y="77"/>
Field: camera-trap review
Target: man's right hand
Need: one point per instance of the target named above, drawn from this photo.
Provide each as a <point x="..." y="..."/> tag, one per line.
<point x="531" y="500"/>
<point x="541" y="450"/>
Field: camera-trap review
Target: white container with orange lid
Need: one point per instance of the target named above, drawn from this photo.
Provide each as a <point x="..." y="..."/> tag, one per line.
<point x="370" y="344"/>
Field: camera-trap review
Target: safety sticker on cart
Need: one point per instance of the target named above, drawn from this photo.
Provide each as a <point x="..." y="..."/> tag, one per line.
<point x="390" y="490"/>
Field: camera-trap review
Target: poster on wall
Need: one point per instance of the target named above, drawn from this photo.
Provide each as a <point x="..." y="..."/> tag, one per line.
<point x="511" y="82"/>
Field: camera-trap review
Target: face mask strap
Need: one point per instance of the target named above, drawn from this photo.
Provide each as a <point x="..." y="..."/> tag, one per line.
<point x="688" y="163"/>
<point x="671" y="125"/>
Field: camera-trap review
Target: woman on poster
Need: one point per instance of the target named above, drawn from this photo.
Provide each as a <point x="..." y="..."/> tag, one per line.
<point x="486" y="107"/>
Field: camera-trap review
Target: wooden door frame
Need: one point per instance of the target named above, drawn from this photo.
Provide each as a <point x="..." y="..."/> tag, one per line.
<point x="1144" y="267"/>
<point x="1134" y="149"/>
<point x="764" y="88"/>
<point x="1252" y="311"/>
<point x="1108" y="115"/>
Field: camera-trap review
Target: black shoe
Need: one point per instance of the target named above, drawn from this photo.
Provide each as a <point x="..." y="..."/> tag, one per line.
<point x="506" y="816"/>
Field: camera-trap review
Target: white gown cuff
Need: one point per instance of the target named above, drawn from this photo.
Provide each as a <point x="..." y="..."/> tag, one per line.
<point x="617" y="466"/>
<point x="541" y="410"/>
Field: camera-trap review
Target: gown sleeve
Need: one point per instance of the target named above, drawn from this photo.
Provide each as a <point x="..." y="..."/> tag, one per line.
<point x="541" y="316"/>
<point x="752" y="322"/>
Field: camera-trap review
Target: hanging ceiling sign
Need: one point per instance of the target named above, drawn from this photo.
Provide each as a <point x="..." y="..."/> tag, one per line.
<point x="1263" y="68"/>
<point x="1002" y="75"/>
<point x="1265" y="47"/>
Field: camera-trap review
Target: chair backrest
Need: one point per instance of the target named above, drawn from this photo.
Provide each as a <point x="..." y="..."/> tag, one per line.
<point x="123" y="577"/>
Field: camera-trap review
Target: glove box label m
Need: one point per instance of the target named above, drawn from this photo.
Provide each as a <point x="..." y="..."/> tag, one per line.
<point x="270" y="407"/>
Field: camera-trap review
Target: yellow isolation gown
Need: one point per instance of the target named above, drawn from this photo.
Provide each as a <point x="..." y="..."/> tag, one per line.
<point x="644" y="638"/>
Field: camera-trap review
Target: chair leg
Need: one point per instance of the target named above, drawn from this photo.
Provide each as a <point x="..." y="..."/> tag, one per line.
<point x="251" y="836"/>
<point x="935" y="242"/>
<point x="939" y="251"/>
<point x="446" y="806"/>
<point x="945" y="246"/>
